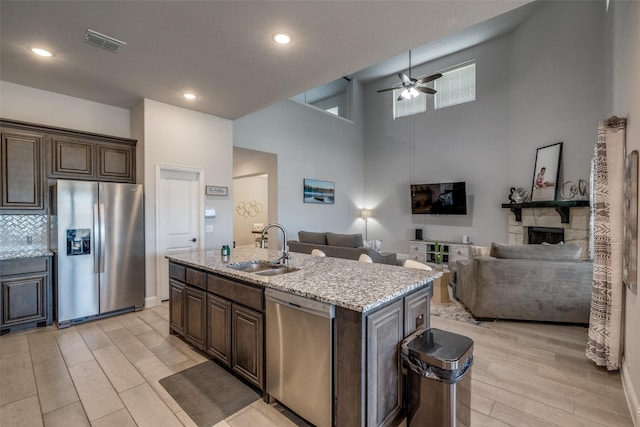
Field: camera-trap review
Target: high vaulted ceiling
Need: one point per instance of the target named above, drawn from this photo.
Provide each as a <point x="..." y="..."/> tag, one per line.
<point x="223" y="50"/>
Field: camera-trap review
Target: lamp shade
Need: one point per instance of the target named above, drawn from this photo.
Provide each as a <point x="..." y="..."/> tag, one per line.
<point x="366" y="213"/>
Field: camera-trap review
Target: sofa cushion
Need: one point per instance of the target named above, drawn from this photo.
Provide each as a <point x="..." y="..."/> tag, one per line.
<point x="345" y="240"/>
<point x="566" y="252"/>
<point x="311" y="237"/>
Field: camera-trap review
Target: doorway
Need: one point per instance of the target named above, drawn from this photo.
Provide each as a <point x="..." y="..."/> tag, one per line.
<point x="255" y="188"/>
<point x="178" y="223"/>
<point x="250" y="208"/>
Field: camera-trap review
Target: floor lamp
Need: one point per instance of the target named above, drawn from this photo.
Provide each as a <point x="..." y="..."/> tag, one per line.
<point x="365" y="214"/>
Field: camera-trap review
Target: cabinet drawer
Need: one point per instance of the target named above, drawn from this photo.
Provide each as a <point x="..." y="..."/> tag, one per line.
<point x="197" y="278"/>
<point x="244" y="294"/>
<point x="177" y="272"/>
<point x="23" y="266"/>
<point x="458" y="252"/>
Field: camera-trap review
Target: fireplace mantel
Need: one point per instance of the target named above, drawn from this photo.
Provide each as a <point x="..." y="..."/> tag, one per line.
<point x="561" y="206"/>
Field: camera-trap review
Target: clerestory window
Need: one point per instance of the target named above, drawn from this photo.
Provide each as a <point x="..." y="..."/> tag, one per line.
<point x="456" y="86"/>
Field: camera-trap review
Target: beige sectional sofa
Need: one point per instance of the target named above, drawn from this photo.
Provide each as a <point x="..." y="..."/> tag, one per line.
<point x="349" y="246"/>
<point x="527" y="282"/>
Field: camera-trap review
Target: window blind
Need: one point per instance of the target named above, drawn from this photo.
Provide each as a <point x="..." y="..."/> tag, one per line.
<point x="408" y="107"/>
<point x="456" y="86"/>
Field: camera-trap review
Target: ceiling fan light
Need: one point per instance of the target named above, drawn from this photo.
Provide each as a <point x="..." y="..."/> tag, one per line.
<point x="405" y="94"/>
<point x="413" y="92"/>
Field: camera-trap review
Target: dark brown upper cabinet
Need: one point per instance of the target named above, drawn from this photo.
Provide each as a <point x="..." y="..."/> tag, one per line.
<point x="22" y="173"/>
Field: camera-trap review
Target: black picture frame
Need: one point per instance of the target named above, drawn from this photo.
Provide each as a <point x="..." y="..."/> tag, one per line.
<point x="546" y="173"/>
<point x="317" y="191"/>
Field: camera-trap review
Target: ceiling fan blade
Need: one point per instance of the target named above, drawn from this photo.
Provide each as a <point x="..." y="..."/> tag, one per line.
<point x="426" y="90"/>
<point x="430" y="78"/>
<point x="388" y="89"/>
<point x="400" y="98"/>
<point x="404" y="78"/>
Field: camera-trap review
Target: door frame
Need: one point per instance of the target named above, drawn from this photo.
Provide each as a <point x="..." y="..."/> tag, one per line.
<point x="200" y="220"/>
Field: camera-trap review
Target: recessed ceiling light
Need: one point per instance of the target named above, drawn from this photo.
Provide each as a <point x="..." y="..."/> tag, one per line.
<point x="40" y="52"/>
<point x="189" y="96"/>
<point x="282" y="38"/>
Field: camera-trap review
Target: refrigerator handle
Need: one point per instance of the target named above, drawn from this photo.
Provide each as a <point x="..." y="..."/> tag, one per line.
<point x="96" y="236"/>
<point x="102" y="237"/>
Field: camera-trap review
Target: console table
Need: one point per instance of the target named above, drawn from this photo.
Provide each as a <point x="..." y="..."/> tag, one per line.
<point x="424" y="251"/>
<point x="561" y="206"/>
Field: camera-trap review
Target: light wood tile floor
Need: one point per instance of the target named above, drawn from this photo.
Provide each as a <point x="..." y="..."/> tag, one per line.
<point x="107" y="372"/>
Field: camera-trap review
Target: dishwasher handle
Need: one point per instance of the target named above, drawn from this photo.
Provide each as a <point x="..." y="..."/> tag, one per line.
<point x="297" y="302"/>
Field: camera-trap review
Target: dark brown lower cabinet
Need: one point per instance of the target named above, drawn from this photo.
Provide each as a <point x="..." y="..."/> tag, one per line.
<point x="213" y="314"/>
<point x="219" y="329"/>
<point x="385" y="330"/>
<point x="416" y="310"/>
<point x="25" y="288"/>
<point x="195" y="322"/>
<point x="368" y="377"/>
<point x="248" y="344"/>
<point x="176" y="307"/>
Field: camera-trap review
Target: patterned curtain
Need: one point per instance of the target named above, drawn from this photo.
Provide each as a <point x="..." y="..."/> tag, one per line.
<point x="607" y="176"/>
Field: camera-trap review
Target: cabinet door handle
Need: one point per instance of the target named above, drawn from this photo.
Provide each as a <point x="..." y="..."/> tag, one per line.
<point x="194" y="240"/>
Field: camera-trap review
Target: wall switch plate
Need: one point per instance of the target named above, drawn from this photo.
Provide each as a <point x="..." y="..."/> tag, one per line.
<point x="209" y="213"/>
<point x="208" y="228"/>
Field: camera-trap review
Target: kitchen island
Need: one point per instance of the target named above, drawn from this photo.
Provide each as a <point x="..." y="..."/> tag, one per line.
<point x="221" y="311"/>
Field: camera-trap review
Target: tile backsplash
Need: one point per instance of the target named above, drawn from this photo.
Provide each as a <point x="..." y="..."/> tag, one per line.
<point x="22" y="232"/>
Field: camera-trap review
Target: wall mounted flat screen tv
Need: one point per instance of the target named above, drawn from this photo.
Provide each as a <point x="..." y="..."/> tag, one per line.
<point x="444" y="198"/>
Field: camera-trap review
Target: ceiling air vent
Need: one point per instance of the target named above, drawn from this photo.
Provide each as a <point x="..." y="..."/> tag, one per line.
<point x="104" y="42"/>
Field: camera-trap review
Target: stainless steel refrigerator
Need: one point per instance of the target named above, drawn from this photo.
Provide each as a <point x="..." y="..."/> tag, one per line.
<point x="97" y="236"/>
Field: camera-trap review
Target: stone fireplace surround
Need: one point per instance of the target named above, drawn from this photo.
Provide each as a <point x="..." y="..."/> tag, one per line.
<point x="576" y="231"/>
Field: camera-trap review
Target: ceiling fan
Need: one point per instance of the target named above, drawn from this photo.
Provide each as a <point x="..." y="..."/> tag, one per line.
<point x="413" y="87"/>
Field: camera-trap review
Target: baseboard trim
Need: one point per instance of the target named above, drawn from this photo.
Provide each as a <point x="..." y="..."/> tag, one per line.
<point x="630" y="394"/>
<point x="151" y="301"/>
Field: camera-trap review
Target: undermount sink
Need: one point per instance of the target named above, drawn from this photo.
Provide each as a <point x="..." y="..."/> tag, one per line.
<point x="263" y="268"/>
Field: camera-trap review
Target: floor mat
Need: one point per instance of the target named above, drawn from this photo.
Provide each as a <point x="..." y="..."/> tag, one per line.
<point x="455" y="310"/>
<point x="208" y="393"/>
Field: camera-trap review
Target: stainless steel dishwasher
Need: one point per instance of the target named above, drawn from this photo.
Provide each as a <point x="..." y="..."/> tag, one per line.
<point x="299" y="355"/>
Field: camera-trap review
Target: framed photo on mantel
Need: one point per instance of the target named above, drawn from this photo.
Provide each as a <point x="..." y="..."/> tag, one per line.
<point x="546" y="173"/>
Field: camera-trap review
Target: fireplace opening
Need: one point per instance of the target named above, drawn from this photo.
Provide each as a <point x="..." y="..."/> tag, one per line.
<point x="538" y="235"/>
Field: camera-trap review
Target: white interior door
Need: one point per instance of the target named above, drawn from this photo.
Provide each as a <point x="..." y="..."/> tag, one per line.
<point x="177" y="218"/>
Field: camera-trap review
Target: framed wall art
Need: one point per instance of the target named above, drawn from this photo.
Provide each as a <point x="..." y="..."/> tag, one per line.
<point x="630" y="250"/>
<point x="546" y="173"/>
<point x="212" y="190"/>
<point x="316" y="191"/>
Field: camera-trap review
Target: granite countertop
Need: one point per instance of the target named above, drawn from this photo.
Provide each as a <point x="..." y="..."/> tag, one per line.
<point x="25" y="253"/>
<point x="345" y="283"/>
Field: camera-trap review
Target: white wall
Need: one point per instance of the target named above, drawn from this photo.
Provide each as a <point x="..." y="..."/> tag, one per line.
<point x="530" y="93"/>
<point x="623" y="99"/>
<point x="467" y="142"/>
<point x="27" y="104"/>
<point x="556" y="96"/>
<point x="310" y="144"/>
<point x="178" y="137"/>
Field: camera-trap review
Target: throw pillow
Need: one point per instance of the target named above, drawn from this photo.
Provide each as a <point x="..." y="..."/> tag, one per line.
<point x="479" y="251"/>
<point x="311" y="237"/>
<point x="345" y="240"/>
<point x="376" y="245"/>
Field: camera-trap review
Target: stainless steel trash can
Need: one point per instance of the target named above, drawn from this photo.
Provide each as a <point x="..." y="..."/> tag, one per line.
<point x="438" y="378"/>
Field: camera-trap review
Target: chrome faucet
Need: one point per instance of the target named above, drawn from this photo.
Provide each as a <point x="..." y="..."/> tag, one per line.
<point x="284" y="259"/>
